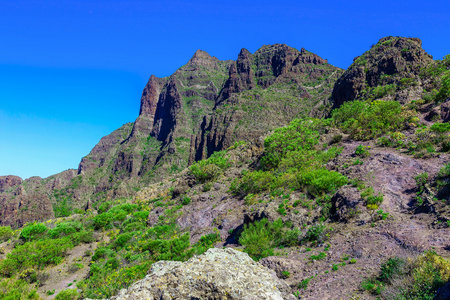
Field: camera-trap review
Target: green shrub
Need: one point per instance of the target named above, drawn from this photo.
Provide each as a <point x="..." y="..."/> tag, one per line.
<point x="83" y="236"/>
<point x="70" y="294"/>
<point x="12" y="289"/>
<point x="410" y="279"/>
<point x="372" y="286"/>
<point x="128" y="207"/>
<point x="362" y="151"/>
<point x="35" y="254"/>
<point x="141" y="215"/>
<point x="293" y="160"/>
<point x="304" y="283"/>
<point x="320" y="181"/>
<point x="211" y="168"/>
<point x="104" y="207"/>
<point x="122" y="239"/>
<point x="421" y="180"/>
<point x="133" y="226"/>
<point x="320" y="256"/>
<point x="299" y="137"/>
<point x="365" y="121"/>
<point x="391" y="268"/>
<point x="254" y="183"/>
<point x="65" y="229"/>
<point x="444" y="91"/>
<point x="186" y="200"/>
<point x="258" y="238"/>
<point x="440" y="127"/>
<point x="206" y="242"/>
<point x="315" y="233"/>
<point x="261" y="237"/>
<point x="103" y="220"/>
<point x="5" y="233"/>
<point x="33" y="231"/>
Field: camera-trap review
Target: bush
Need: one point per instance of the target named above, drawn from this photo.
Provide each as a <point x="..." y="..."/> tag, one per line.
<point x="444" y="91"/>
<point x="315" y="233"/>
<point x="321" y="181"/>
<point x="33" y="231"/>
<point x="65" y="229"/>
<point x="70" y="294"/>
<point x="211" y="168"/>
<point x="141" y="215"/>
<point x="293" y="160"/>
<point x="36" y="255"/>
<point x="253" y="183"/>
<point x="17" y="290"/>
<point x="103" y="220"/>
<point x="440" y="127"/>
<point x="421" y="181"/>
<point x="186" y="200"/>
<point x="5" y="233"/>
<point x="419" y="278"/>
<point x="391" y="268"/>
<point x="261" y="237"/>
<point x="122" y="239"/>
<point x="362" y="151"/>
<point x="365" y="121"/>
<point x="206" y="242"/>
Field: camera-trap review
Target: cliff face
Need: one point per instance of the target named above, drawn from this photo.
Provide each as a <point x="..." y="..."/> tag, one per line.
<point x="263" y="91"/>
<point x="208" y="104"/>
<point x="391" y="67"/>
<point x="31" y="200"/>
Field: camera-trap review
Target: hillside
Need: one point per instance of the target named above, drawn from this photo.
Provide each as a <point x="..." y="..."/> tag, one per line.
<point x="336" y="182"/>
<point x="205" y="106"/>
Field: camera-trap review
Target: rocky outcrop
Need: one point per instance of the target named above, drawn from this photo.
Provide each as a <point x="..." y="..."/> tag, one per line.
<point x="216" y="274"/>
<point x="167" y="112"/>
<point x="394" y="62"/>
<point x="346" y="202"/>
<point x="445" y="111"/>
<point x="25" y="204"/>
<point x="10" y="181"/>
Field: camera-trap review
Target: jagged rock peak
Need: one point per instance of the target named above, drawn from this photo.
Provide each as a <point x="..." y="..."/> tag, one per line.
<point x="150" y="96"/>
<point x="310" y="58"/>
<point x="202" y="58"/>
<point x="244" y="53"/>
<point x="386" y="63"/>
<point x="400" y="38"/>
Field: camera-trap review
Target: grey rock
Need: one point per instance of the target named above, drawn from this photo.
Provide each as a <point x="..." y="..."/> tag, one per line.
<point x="216" y="274"/>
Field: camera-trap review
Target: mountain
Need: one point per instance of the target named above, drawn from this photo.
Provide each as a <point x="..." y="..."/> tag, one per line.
<point x="336" y="182"/>
<point x="205" y="106"/>
<point x="391" y="67"/>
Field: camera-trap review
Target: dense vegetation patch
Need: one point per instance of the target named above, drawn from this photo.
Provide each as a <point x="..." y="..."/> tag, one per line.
<point x="367" y="120"/>
<point x="211" y="168"/>
<point x="132" y="249"/>
<point x="293" y="159"/>
<point x="418" y="278"/>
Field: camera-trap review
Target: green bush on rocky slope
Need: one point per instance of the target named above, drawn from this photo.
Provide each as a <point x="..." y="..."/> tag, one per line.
<point x="133" y="248"/>
<point x="293" y="159"/>
<point x="417" y="278"/>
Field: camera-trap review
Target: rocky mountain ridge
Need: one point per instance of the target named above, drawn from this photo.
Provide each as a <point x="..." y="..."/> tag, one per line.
<point x="339" y="204"/>
<point x="205" y="106"/>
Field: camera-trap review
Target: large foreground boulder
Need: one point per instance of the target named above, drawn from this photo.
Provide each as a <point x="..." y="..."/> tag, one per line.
<point x="216" y="274"/>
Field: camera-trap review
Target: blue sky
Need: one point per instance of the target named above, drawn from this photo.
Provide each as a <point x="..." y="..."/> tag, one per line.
<point x="73" y="71"/>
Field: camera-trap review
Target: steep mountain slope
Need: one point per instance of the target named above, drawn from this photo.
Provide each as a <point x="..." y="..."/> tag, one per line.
<point x="352" y="206"/>
<point x="205" y="106"/>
